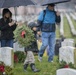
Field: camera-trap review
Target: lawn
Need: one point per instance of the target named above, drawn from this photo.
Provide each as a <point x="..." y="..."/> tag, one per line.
<point x="74" y="22"/>
<point x="57" y="32"/>
<point x="45" y="67"/>
<point x="67" y="30"/>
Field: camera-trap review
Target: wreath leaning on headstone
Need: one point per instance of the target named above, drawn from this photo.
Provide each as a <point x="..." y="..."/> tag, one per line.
<point x="24" y="35"/>
<point x="63" y="64"/>
<point x="5" y="70"/>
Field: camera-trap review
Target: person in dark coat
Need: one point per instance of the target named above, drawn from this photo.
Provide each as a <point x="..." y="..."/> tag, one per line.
<point x="29" y="51"/>
<point x="33" y="47"/>
<point x="7" y="26"/>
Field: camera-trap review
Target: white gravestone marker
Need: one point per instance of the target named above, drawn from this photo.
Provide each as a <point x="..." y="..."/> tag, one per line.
<point x="17" y="47"/>
<point x="68" y="42"/>
<point x="69" y="39"/>
<point x="66" y="71"/>
<point x="66" y="54"/>
<point x="6" y="56"/>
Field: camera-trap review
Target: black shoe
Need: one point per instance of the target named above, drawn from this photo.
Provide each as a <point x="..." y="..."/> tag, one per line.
<point x="34" y="68"/>
<point x="25" y="67"/>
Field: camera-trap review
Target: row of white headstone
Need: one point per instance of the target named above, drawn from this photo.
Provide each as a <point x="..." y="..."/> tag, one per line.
<point x="71" y="24"/>
<point x="62" y="25"/>
<point x="73" y="16"/>
<point x="24" y="18"/>
<point x="66" y="53"/>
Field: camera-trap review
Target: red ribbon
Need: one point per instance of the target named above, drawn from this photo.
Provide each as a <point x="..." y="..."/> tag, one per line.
<point x="23" y="34"/>
<point x="15" y="58"/>
<point x="66" y="66"/>
<point x="1" y="68"/>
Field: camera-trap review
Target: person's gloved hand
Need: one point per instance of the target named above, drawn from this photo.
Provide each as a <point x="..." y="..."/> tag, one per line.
<point x="58" y="13"/>
<point x="39" y="32"/>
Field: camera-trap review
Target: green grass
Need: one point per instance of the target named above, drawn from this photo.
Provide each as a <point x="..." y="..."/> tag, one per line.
<point x="74" y="22"/>
<point x="57" y="32"/>
<point x="75" y="56"/>
<point x="67" y="30"/>
<point x="45" y="67"/>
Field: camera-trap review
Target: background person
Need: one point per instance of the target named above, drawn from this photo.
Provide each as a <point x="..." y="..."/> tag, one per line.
<point x="7" y="26"/>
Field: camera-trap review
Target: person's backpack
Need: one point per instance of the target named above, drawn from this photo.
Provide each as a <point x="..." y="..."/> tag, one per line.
<point x="57" y="18"/>
<point x="0" y="34"/>
<point x="44" y="11"/>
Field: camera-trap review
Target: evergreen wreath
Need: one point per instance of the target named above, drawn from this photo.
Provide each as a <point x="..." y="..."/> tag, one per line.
<point x="24" y="35"/>
<point x="5" y="70"/>
<point x="63" y="64"/>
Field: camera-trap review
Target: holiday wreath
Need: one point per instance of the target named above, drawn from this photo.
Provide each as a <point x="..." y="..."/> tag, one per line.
<point x="5" y="70"/>
<point x="24" y="35"/>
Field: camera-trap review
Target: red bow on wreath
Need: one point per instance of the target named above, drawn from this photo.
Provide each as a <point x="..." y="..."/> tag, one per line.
<point x="15" y="58"/>
<point x="66" y="66"/>
<point x="23" y="34"/>
<point x="1" y="68"/>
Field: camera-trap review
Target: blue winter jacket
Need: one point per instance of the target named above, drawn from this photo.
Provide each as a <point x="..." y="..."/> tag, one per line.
<point x="47" y="20"/>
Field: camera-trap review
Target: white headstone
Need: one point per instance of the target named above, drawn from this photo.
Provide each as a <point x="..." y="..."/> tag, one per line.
<point x="7" y="56"/>
<point x="66" y="54"/>
<point x="69" y="39"/>
<point x="68" y="42"/>
<point x="66" y="71"/>
<point x="17" y="47"/>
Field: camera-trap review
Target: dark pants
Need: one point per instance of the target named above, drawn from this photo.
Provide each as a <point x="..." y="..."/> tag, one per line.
<point x="7" y="43"/>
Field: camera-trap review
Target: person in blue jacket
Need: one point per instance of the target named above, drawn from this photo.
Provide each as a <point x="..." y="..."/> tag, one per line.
<point x="47" y="20"/>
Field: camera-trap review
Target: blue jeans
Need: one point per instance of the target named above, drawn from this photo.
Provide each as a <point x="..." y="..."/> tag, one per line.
<point x="7" y="43"/>
<point x="48" y="39"/>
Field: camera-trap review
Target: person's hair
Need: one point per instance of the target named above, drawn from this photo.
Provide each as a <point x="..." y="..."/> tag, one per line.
<point x="10" y="14"/>
<point x="51" y="4"/>
<point x="6" y="10"/>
